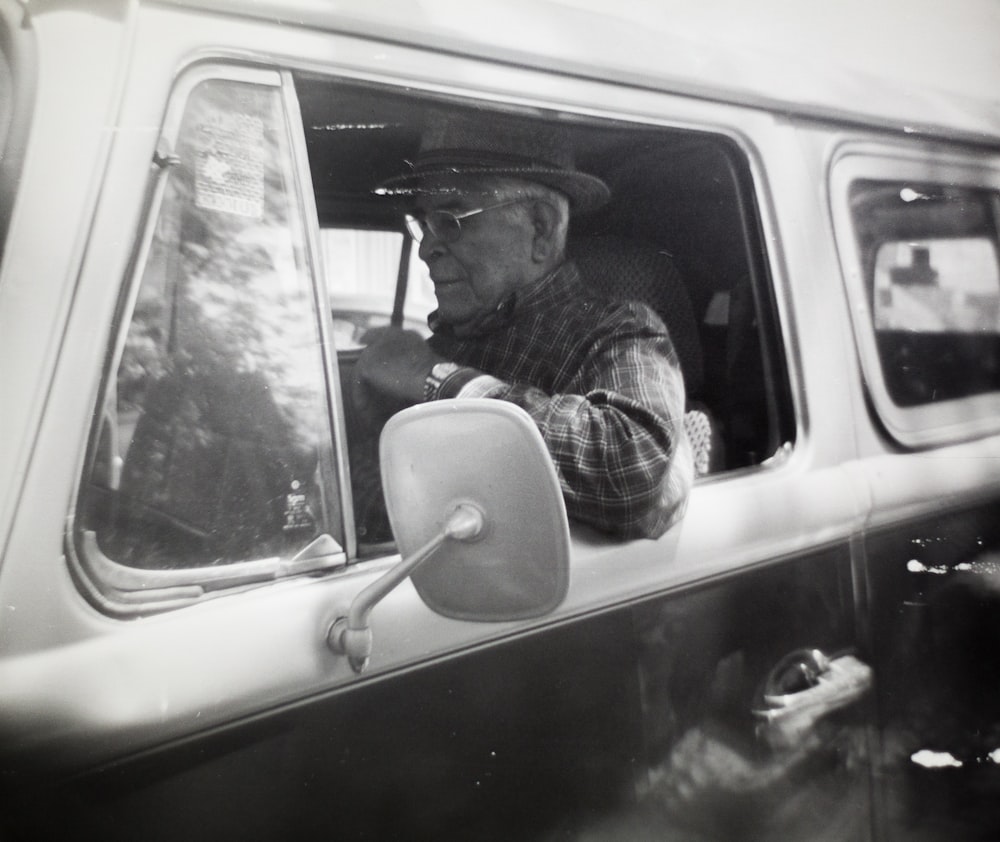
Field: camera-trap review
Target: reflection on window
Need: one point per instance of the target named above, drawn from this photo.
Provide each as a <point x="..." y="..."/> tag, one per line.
<point x="932" y="267"/>
<point x="215" y="432"/>
<point x="936" y="286"/>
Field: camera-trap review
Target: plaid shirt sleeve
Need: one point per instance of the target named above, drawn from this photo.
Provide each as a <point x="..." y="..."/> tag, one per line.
<point x="615" y="429"/>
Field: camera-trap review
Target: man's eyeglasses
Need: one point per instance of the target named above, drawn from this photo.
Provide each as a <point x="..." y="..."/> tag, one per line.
<point x="445" y="225"/>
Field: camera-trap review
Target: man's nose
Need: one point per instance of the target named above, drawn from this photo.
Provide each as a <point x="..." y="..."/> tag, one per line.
<point x="430" y="247"/>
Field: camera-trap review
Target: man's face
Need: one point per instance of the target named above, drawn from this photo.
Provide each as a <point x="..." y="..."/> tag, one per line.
<point x="490" y="259"/>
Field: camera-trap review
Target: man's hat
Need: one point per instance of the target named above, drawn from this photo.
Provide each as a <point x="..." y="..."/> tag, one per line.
<point x="486" y="145"/>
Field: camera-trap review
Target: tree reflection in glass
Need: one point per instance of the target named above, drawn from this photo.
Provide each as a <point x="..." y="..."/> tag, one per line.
<point x="221" y="409"/>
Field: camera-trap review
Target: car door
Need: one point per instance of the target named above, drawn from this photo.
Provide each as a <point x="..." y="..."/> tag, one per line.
<point x="918" y="230"/>
<point x="165" y="665"/>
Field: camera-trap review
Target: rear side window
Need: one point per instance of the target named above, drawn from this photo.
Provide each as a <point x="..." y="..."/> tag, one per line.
<point x="923" y="255"/>
<point x="932" y="269"/>
<point x="212" y="463"/>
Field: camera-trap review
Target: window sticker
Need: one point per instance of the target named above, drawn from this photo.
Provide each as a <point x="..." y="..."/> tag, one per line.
<point x="229" y="174"/>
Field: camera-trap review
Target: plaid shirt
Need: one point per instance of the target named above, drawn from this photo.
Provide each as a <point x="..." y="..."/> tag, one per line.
<point x="602" y="381"/>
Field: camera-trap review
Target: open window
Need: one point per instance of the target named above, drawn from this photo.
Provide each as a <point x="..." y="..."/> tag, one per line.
<point x="681" y="233"/>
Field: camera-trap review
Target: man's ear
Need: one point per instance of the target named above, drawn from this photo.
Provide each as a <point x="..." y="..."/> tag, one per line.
<point x="544" y="244"/>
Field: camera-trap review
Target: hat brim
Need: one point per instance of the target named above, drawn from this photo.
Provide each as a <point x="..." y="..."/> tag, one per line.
<point x="585" y="192"/>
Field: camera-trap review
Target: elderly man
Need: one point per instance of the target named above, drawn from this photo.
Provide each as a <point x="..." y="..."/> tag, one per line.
<point x="490" y="207"/>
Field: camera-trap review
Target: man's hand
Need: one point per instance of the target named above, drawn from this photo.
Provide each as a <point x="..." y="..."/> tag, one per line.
<point x="391" y="371"/>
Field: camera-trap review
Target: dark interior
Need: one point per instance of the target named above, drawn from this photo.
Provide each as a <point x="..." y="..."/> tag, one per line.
<point x="685" y="195"/>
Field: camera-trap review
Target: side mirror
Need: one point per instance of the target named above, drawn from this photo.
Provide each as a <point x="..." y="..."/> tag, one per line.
<point x="478" y="515"/>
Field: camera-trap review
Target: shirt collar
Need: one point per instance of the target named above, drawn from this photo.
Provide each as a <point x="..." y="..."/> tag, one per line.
<point x="556" y="286"/>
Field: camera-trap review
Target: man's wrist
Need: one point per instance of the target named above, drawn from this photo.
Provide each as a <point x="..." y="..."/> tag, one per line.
<point x="446" y="379"/>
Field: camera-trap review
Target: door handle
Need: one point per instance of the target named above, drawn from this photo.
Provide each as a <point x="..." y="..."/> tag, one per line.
<point x="804" y="687"/>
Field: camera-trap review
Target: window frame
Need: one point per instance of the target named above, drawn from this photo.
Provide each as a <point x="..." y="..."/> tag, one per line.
<point x="124" y="590"/>
<point x="785" y="403"/>
<point x="930" y="424"/>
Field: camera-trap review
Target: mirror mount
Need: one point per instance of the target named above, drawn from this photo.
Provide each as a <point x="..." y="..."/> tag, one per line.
<point x="480" y="541"/>
<point x="352" y="635"/>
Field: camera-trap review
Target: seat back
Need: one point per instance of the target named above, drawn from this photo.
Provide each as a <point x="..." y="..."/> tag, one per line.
<point x="623" y="269"/>
<point x="620" y="268"/>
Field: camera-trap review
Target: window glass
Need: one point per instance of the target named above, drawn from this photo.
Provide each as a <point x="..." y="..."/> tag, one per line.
<point x="214" y="446"/>
<point x="932" y="269"/>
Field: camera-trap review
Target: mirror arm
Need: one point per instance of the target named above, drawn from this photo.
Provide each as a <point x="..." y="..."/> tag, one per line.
<point x="351" y="635"/>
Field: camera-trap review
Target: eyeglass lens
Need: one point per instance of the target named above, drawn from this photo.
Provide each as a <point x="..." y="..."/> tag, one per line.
<point x="444" y="225"/>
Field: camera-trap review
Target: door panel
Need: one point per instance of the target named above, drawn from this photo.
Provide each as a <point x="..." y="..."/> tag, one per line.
<point x="716" y="770"/>
<point x="497" y="744"/>
<point x="936" y="626"/>
<point x="635" y="723"/>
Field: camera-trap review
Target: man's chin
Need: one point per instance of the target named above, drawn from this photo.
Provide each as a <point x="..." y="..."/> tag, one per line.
<point x="453" y="317"/>
<point x="454" y="312"/>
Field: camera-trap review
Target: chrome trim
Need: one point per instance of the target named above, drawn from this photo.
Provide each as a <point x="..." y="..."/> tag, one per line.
<point x="335" y="402"/>
<point x="135" y="580"/>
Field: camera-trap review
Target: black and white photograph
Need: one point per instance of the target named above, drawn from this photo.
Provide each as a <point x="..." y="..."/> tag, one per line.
<point x="543" y="420"/>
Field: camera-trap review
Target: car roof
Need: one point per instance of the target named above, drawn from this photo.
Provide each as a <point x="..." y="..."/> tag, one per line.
<point x="917" y="65"/>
